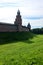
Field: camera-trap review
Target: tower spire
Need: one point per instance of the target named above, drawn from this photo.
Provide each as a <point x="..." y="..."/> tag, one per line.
<point x="18" y="12"/>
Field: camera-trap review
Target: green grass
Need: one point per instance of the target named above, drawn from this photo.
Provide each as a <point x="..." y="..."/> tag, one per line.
<point x="23" y="49"/>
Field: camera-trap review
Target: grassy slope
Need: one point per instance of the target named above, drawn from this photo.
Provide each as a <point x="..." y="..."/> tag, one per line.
<point x="26" y="49"/>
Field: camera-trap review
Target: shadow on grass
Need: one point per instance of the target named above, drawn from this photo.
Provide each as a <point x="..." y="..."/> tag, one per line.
<point x="9" y="37"/>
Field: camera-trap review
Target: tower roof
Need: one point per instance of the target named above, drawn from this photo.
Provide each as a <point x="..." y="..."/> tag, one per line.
<point x="18" y="12"/>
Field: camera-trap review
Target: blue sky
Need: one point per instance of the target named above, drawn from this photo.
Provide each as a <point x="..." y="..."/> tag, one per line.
<point x="31" y="11"/>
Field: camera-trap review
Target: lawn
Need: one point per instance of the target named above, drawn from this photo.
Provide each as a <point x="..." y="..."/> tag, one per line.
<point x="21" y="48"/>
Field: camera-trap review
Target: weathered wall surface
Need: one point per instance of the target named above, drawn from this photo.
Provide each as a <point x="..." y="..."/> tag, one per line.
<point x="25" y="28"/>
<point x="8" y="28"/>
<point x="12" y="28"/>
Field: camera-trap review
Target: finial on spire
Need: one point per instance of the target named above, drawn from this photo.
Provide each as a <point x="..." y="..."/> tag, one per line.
<point x="18" y="12"/>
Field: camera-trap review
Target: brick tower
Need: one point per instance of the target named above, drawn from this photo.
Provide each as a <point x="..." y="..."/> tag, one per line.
<point x="18" y="21"/>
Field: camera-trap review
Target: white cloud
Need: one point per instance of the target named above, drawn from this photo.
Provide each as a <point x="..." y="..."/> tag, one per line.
<point x="1" y="1"/>
<point x="34" y="23"/>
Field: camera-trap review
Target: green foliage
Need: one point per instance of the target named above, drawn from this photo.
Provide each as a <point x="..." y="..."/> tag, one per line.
<point x="25" y="48"/>
<point x="37" y="31"/>
<point x="8" y="37"/>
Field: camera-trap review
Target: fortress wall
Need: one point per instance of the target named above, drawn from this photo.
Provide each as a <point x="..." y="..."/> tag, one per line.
<point x="8" y="28"/>
<point x="25" y="29"/>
